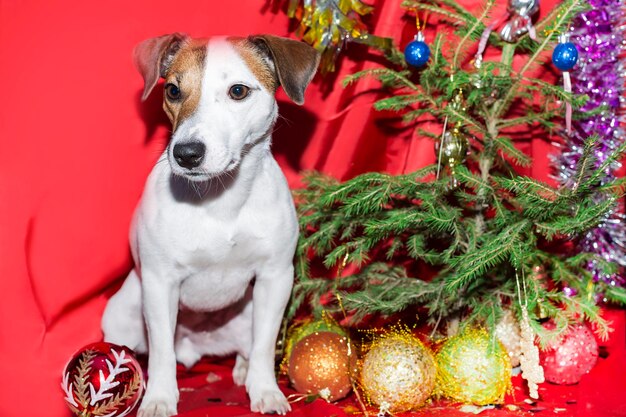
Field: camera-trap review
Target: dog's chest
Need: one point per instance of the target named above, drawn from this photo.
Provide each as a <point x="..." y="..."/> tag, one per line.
<point x="214" y="258"/>
<point x="214" y="247"/>
<point x="217" y="261"/>
<point x="199" y="242"/>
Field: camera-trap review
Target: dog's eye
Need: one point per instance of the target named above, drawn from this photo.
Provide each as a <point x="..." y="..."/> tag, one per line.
<point x="172" y="91"/>
<point x="238" y="92"/>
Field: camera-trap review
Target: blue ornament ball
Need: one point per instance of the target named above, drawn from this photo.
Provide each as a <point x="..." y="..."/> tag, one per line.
<point x="417" y="53"/>
<point x="565" y="56"/>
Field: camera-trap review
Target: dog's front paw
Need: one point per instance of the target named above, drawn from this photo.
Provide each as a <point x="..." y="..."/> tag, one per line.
<point x="240" y="371"/>
<point x="269" y="401"/>
<point x="157" y="407"/>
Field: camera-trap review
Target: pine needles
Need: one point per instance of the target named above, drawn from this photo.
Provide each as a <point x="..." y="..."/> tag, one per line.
<point x="479" y="236"/>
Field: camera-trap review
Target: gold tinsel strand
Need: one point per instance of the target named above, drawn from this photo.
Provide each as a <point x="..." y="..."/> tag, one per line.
<point x="328" y="25"/>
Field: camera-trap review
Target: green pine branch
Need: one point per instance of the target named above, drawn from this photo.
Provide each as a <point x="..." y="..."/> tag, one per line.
<point x="480" y="227"/>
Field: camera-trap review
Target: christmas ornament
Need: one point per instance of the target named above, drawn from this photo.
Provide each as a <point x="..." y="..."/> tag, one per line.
<point x="398" y="372"/>
<point x="522" y="12"/>
<point x="417" y="51"/>
<point x="564" y="58"/>
<point x="102" y="380"/>
<point x="565" y="55"/>
<point x="329" y="25"/>
<point x="473" y="368"/>
<point x="301" y="330"/>
<point x="532" y="371"/>
<point x="599" y="36"/>
<point x="452" y="151"/>
<point x="323" y="363"/>
<point x="453" y="145"/>
<point x="508" y="333"/>
<point x="519" y="24"/>
<point x="566" y="360"/>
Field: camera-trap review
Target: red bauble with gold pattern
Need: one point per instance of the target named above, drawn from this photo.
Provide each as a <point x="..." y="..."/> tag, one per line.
<point x="102" y="380"/>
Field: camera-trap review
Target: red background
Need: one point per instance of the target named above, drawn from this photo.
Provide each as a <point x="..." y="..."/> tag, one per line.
<point x="77" y="145"/>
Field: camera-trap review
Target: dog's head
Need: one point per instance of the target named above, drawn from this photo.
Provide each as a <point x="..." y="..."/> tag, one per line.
<point x="219" y="94"/>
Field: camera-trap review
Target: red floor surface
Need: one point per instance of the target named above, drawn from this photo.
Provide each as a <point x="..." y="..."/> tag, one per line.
<point x="208" y="390"/>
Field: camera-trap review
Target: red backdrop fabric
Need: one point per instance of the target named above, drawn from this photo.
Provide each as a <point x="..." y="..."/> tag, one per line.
<point x="77" y="145"/>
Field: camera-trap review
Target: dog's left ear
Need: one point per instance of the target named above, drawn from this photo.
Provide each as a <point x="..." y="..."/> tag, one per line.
<point x="295" y="63"/>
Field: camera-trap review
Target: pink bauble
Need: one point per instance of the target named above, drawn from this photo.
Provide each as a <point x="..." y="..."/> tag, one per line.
<point x="102" y="379"/>
<point x="567" y="359"/>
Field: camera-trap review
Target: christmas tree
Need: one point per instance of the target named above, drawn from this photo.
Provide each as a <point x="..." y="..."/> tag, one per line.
<point x="496" y="240"/>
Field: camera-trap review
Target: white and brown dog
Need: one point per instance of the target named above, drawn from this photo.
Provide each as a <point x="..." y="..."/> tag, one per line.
<point x="214" y="235"/>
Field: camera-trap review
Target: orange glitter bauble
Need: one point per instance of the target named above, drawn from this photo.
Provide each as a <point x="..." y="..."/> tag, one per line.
<point x="321" y="364"/>
<point x="301" y="330"/>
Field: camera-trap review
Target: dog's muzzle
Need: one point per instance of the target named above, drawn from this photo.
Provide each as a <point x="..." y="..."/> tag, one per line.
<point x="189" y="155"/>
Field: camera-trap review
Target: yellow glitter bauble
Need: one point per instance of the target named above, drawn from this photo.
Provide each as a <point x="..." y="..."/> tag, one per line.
<point x="508" y="333"/>
<point x="398" y="370"/>
<point x="322" y="363"/>
<point x="473" y="368"/>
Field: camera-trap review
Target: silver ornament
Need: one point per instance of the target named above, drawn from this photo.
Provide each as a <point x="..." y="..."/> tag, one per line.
<point x="524" y="7"/>
<point x="521" y="20"/>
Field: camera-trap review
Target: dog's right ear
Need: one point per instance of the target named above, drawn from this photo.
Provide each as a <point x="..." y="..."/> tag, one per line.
<point x="153" y="57"/>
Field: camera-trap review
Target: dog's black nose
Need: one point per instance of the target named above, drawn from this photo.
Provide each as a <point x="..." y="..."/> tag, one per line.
<point x="190" y="154"/>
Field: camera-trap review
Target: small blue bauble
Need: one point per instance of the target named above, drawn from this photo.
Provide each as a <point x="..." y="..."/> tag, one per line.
<point x="565" y="56"/>
<point x="417" y="53"/>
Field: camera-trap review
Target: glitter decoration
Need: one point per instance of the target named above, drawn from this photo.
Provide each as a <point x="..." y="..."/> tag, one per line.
<point x="599" y="35"/>
<point x="329" y="25"/>
<point x="300" y="330"/>
<point x="567" y="359"/>
<point x="532" y="371"/>
<point x="398" y="372"/>
<point x="508" y="333"/>
<point x="473" y="368"/>
<point x="322" y="363"/>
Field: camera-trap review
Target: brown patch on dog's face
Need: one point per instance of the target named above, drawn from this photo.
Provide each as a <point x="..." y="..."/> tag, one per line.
<point x="185" y="74"/>
<point x="255" y="62"/>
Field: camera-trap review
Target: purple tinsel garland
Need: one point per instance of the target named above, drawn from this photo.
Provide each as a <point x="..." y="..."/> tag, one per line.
<point x="599" y="36"/>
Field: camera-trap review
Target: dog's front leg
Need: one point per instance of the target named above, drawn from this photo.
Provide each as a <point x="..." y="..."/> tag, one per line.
<point x="272" y="289"/>
<point x="160" y="307"/>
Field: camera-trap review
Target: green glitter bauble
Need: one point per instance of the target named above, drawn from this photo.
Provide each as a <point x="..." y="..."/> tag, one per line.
<point x="473" y="368"/>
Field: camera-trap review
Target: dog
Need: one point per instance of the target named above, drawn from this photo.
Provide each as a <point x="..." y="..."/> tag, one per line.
<point x="214" y="234"/>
